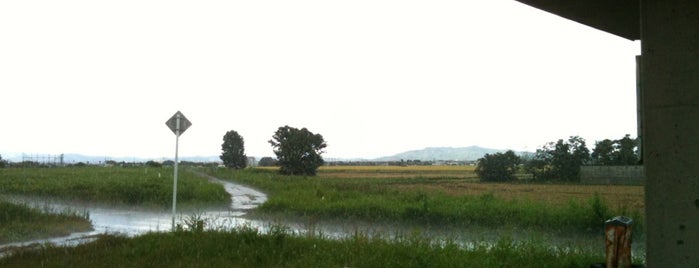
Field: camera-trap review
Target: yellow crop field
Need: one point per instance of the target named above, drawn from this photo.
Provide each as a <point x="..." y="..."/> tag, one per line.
<point x="462" y="180"/>
<point x="455" y="172"/>
<point x="398" y="168"/>
<point x="616" y="196"/>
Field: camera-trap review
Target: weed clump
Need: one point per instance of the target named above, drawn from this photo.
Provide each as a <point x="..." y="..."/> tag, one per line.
<point x="21" y="222"/>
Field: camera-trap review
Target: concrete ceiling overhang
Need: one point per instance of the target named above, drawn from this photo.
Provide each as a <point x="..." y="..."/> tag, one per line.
<point x="618" y="17"/>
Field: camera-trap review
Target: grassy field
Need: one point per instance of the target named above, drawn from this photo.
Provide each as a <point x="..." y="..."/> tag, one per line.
<point x="439" y="196"/>
<point x="444" y="172"/>
<point x="616" y="196"/>
<point x="135" y="186"/>
<point x="246" y="247"/>
<point x="22" y="223"/>
<point x="449" y="197"/>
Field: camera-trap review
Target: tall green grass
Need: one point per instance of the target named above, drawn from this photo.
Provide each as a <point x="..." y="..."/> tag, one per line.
<point x="140" y="186"/>
<point x="377" y="199"/>
<point x="246" y="247"/>
<point x="21" y="223"/>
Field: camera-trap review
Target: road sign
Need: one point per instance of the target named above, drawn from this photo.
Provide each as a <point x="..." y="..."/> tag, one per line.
<point x="178" y="124"/>
<point x="183" y="125"/>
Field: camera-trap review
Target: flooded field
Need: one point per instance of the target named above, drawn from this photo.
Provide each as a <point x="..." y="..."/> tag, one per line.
<point x="133" y="221"/>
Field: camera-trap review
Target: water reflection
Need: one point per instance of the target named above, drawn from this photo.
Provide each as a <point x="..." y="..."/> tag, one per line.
<point x="132" y="221"/>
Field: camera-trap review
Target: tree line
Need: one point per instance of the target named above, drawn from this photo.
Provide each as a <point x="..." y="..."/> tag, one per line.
<point x="298" y="151"/>
<point x="560" y="160"/>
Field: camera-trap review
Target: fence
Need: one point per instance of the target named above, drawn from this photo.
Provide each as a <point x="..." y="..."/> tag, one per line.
<point x="50" y="160"/>
<point x="627" y="175"/>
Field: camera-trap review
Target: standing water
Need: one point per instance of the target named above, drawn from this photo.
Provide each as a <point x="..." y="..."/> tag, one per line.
<point x="133" y="221"/>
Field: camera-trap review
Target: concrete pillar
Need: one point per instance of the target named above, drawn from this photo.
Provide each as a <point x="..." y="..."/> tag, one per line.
<point x="670" y="66"/>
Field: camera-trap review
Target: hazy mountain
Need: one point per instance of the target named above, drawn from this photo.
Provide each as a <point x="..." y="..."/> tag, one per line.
<point x="470" y="153"/>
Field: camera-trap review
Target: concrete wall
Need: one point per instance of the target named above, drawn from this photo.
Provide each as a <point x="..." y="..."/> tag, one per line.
<point x="670" y="85"/>
<point x="626" y="175"/>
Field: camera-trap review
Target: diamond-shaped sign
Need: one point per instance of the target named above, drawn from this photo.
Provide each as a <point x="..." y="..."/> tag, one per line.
<point x="178" y="123"/>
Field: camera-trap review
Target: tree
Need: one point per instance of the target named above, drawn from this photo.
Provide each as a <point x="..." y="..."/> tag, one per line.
<point x="298" y="150"/>
<point x="603" y="154"/>
<point x="569" y="157"/>
<point x="623" y="151"/>
<point x="233" y="155"/>
<point x="498" y="166"/>
<point x="3" y="163"/>
<point x="560" y="160"/>
<point x="267" y="162"/>
<point x="627" y="151"/>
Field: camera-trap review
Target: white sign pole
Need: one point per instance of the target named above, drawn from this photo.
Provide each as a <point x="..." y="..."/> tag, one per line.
<point x="174" y="184"/>
<point x="178" y="123"/>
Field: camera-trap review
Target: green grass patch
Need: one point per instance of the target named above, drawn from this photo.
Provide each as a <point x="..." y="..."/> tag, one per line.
<point x="133" y="186"/>
<point x="246" y="247"/>
<point x="21" y="223"/>
<point x="385" y="199"/>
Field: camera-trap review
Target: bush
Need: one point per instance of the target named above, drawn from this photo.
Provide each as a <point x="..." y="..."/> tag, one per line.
<point x="267" y="162"/>
<point x="498" y="167"/>
<point x="154" y="164"/>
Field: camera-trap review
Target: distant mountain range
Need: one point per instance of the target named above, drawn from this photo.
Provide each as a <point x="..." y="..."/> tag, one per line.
<point x="470" y="153"/>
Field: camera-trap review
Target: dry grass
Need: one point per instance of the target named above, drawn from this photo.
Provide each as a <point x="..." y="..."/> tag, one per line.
<point x="397" y="168"/>
<point x="616" y="196"/>
<point x="452" y="172"/>
<point x="462" y="180"/>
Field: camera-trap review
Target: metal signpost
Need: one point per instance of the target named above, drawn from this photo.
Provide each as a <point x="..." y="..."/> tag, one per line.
<point x="178" y="124"/>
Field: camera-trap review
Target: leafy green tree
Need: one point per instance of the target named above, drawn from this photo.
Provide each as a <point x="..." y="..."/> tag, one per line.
<point x="267" y="162"/>
<point x="560" y="160"/>
<point x="3" y="163"/>
<point x="538" y="166"/>
<point x="603" y="153"/>
<point x="298" y="150"/>
<point x="568" y="158"/>
<point x="498" y="166"/>
<point x="627" y="151"/>
<point x="623" y="151"/>
<point x="233" y="155"/>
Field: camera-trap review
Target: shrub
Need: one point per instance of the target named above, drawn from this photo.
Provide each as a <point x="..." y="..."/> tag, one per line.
<point x="498" y="167"/>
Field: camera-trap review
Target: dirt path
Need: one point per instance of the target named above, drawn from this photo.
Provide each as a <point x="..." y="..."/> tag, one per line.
<point x="243" y="198"/>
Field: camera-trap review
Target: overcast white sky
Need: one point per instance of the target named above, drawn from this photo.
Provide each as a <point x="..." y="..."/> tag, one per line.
<point x="374" y="77"/>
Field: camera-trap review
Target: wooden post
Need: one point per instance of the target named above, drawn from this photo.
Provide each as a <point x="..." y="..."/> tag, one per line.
<point x="618" y="231"/>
